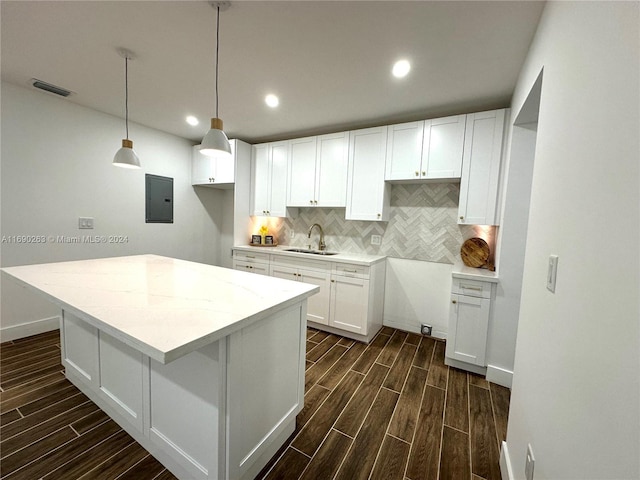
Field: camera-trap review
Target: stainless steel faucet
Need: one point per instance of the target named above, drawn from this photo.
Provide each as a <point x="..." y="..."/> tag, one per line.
<point x="321" y="244"/>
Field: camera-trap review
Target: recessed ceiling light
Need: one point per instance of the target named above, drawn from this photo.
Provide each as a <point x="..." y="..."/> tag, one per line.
<point x="401" y="68"/>
<point x="193" y="121"/>
<point x="272" y="100"/>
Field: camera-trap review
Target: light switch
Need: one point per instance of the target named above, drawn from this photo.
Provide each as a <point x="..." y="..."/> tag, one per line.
<point x="375" y="239"/>
<point x="552" y="271"/>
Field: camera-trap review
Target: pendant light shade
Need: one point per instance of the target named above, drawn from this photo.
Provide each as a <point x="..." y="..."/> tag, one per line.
<point x="126" y="157"/>
<point x="215" y="143"/>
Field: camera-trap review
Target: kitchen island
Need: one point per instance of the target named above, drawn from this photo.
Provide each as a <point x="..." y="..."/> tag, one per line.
<point x="202" y="365"/>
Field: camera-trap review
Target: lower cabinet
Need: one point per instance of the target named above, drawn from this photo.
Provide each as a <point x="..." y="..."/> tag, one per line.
<point x="351" y="297"/>
<point x="251" y="262"/>
<point x="468" y="324"/>
<point x="318" y="304"/>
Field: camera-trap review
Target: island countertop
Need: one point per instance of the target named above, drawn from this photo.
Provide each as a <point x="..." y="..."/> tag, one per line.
<point x="162" y="307"/>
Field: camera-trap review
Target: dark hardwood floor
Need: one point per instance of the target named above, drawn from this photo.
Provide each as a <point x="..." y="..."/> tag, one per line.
<point x="388" y="410"/>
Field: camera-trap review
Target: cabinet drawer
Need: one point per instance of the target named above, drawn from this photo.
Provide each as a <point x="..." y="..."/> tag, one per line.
<point x="471" y="288"/>
<point x="251" y="257"/>
<point x="347" y="270"/>
<point x="295" y="262"/>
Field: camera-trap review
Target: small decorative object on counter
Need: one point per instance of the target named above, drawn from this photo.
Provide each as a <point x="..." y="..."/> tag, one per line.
<point x="268" y="239"/>
<point x="263" y="231"/>
<point x="256" y="239"/>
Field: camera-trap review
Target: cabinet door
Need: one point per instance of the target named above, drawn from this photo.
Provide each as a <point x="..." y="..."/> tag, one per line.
<point x="404" y="151"/>
<point x="279" y="155"/>
<point x="288" y="273"/>
<point x="318" y="304"/>
<point x="332" y="162"/>
<point x="203" y="168"/>
<point x="349" y="299"/>
<point x="302" y="172"/>
<point x="468" y="324"/>
<point x="259" y="268"/>
<point x="260" y="179"/>
<point x="225" y="166"/>
<point x="481" y="168"/>
<point x="367" y="193"/>
<point x="443" y="146"/>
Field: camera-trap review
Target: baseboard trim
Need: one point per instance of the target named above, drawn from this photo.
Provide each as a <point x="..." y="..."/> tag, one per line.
<point x="505" y="463"/>
<point x="29" y="328"/>
<point x="500" y="376"/>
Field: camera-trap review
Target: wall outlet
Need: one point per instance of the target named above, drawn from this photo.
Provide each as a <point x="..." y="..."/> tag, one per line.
<point x="85" y="222"/>
<point x="528" y="466"/>
<point x="426" y="329"/>
<point x="376" y="239"/>
<point x="292" y="234"/>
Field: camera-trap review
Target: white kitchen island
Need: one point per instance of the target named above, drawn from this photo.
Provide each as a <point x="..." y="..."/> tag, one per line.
<point x="202" y="365"/>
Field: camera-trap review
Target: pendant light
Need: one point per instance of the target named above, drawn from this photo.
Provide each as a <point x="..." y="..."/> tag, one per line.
<point x="126" y="157"/>
<point x="215" y="142"/>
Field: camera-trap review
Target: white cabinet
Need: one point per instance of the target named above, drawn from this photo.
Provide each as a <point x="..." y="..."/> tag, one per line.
<point x="425" y="150"/>
<point x="349" y="303"/>
<point x="318" y="171"/>
<point x="314" y="273"/>
<point x="367" y="193"/>
<point x="213" y="171"/>
<point x="251" y="262"/>
<point x="269" y="179"/>
<point x="479" y="184"/>
<point x="468" y="324"/>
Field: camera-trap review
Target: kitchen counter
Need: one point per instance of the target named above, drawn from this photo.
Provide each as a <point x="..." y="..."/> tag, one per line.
<point x="351" y="258"/>
<point x="460" y="270"/>
<point x="162" y="307"/>
<point x="204" y="366"/>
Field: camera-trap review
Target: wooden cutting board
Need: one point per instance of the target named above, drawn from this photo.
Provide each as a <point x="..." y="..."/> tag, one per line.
<point x="474" y="252"/>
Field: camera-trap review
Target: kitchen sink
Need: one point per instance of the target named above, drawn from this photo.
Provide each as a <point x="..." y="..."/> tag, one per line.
<point x="312" y="252"/>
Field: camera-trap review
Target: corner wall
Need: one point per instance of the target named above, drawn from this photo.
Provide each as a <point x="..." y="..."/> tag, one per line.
<point x="56" y="167"/>
<point x="576" y="385"/>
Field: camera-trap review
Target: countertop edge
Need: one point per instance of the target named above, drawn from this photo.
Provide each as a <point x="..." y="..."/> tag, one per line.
<point x="345" y="257"/>
<point x="460" y="270"/>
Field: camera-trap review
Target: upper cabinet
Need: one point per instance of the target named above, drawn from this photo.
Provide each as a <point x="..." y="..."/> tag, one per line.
<point x="213" y="171"/>
<point x="269" y="165"/>
<point x="318" y="171"/>
<point x="367" y="193"/>
<point x="426" y="150"/>
<point x="479" y="184"/>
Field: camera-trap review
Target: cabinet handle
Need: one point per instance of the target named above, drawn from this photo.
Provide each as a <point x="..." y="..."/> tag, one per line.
<point x="250" y="256"/>
<point x="461" y="218"/>
<point x="424" y="174"/>
<point x="453" y="301"/>
<point x="333" y="281"/>
<point x="477" y="289"/>
<point x="350" y="271"/>
<point x="311" y="202"/>
<point x="315" y="201"/>
<point x="379" y="215"/>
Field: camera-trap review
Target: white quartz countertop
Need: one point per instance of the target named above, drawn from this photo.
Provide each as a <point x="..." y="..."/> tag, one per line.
<point x="460" y="270"/>
<point x="352" y="258"/>
<point x="161" y="306"/>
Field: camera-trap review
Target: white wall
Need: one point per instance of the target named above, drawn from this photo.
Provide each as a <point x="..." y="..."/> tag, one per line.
<point x="417" y="292"/>
<point x="56" y="166"/>
<point x="576" y="392"/>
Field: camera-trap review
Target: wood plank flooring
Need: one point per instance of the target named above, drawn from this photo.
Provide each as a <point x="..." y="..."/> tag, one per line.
<point x="388" y="410"/>
<point x="50" y="430"/>
<point x="392" y="410"/>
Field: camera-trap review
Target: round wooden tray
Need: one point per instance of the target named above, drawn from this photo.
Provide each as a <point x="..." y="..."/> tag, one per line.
<point x="475" y="252"/>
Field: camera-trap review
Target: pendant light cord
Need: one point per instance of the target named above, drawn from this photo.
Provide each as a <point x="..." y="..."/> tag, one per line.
<point x="126" y="94"/>
<point x="217" y="49"/>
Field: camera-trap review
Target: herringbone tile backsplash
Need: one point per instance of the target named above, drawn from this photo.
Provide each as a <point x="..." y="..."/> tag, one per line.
<point x="422" y="226"/>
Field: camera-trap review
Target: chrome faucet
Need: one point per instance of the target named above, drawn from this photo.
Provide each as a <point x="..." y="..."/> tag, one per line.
<point x="321" y="244"/>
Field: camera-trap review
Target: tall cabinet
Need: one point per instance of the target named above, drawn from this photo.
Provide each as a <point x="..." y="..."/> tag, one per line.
<point x="269" y="179"/>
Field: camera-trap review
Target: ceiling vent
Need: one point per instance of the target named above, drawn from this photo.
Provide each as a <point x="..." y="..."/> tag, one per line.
<point x="47" y="87"/>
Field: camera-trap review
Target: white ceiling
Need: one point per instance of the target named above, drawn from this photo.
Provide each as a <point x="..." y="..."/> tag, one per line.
<point x="329" y="61"/>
